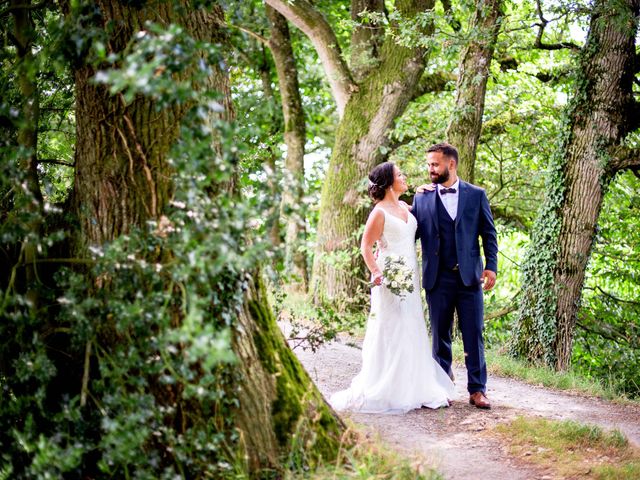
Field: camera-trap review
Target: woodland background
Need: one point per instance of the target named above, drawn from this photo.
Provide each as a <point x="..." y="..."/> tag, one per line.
<point x="175" y="174"/>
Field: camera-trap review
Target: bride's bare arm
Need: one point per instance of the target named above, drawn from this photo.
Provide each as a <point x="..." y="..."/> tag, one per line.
<point x="372" y="233"/>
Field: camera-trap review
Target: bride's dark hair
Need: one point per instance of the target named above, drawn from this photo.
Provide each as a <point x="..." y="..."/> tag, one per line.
<point x="380" y="179"/>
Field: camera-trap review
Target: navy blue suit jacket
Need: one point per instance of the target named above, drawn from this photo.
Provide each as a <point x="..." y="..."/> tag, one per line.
<point x="473" y="221"/>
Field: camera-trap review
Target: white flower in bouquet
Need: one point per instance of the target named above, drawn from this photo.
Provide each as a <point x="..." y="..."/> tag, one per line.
<point x="397" y="275"/>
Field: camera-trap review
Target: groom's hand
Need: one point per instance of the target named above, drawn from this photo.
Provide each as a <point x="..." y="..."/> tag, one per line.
<point x="488" y="279"/>
<point x="424" y="187"/>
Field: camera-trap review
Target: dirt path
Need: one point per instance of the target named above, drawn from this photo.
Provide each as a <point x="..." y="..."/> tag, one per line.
<point x="457" y="440"/>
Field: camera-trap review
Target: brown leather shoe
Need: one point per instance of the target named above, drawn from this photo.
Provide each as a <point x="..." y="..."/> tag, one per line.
<point x="480" y="400"/>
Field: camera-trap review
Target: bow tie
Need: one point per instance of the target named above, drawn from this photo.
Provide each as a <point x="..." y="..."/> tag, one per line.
<point x="444" y="191"/>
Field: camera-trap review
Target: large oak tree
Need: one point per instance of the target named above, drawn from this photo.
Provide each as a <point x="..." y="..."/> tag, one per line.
<point x="473" y="73"/>
<point x="123" y="179"/>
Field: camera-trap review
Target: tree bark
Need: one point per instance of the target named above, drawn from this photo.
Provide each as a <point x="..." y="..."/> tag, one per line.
<point x="475" y="59"/>
<point x="123" y="179"/>
<point x="264" y="69"/>
<point x="598" y="119"/>
<point x="295" y="139"/>
<point x="122" y="176"/>
<point x="279" y="403"/>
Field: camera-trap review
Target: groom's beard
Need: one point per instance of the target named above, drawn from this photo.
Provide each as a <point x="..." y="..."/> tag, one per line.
<point x="440" y="177"/>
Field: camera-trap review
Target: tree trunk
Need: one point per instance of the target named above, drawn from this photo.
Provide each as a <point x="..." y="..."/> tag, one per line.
<point x="361" y="137"/>
<point x="295" y="138"/>
<point x="367" y="112"/>
<point x="281" y="409"/>
<point x="23" y="36"/>
<point x="475" y="60"/>
<point x="123" y="179"/>
<point x="599" y="116"/>
<point x="273" y="217"/>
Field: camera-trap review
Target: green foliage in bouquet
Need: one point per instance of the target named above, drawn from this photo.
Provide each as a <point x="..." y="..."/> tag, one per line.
<point x="397" y="275"/>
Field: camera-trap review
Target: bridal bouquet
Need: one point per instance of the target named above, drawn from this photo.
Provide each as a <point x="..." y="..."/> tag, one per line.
<point x="397" y="275"/>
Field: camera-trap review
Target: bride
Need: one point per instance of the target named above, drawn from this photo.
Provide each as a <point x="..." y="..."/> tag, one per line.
<point x="398" y="372"/>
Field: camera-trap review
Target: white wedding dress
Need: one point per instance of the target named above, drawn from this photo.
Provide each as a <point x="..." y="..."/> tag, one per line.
<point x="398" y="372"/>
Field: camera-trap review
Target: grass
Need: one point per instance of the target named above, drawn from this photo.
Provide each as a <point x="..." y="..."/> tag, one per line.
<point x="572" y="449"/>
<point x="369" y="459"/>
<point x="505" y="366"/>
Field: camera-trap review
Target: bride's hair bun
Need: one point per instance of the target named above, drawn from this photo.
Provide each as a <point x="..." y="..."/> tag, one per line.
<point x="380" y="179"/>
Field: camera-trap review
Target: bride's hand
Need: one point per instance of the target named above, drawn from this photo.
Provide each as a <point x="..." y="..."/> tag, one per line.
<point x="377" y="278"/>
<point x="426" y="187"/>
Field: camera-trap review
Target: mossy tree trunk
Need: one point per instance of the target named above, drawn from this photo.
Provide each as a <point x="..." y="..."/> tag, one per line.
<point x="602" y="112"/>
<point x="282" y="414"/>
<point x="370" y="96"/>
<point x="123" y="179"/>
<point x="360" y="137"/>
<point x="295" y="139"/>
<point x="473" y="72"/>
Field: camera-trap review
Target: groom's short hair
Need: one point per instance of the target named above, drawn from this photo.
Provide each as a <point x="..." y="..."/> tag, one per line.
<point x="445" y="149"/>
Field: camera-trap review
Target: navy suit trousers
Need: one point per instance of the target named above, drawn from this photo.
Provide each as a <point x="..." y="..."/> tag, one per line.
<point x="449" y="294"/>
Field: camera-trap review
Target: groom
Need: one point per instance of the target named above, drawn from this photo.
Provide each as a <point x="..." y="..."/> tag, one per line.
<point x="450" y="220"/>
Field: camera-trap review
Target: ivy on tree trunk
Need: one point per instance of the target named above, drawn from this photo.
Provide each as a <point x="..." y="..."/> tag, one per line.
<point x="600" y="115"/>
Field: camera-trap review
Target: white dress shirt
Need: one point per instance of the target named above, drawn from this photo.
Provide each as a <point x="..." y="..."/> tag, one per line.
<point x="450" y="200"/>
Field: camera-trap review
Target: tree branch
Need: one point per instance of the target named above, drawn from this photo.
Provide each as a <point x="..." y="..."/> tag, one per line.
<point x="551" y="76"/>
<point x="434" y="82"/>
<point x="509" y="217"/>
<point x="613" y="297"/>
<point x="251" y="33"/>
<point x="25" y="6"/>
<point x="510" y="63"/>
<point x="56" y="162"/>
<point x="511" y="307"/>
<point x="399" y="143"/>
<point x="502" y="312"/>
<point x="590" y="324"/>
<point x="541" y="26"/>
<point x="623" y="158"/>
<point x="313" y="24"/>
<point x="599" y="332"/>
